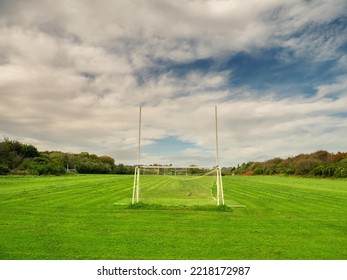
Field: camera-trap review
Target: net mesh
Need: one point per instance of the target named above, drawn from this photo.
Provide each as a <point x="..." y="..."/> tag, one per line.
<point x="177" y="186"/>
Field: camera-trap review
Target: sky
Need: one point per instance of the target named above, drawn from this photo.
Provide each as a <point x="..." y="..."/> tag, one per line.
<point x="73" y="75"/>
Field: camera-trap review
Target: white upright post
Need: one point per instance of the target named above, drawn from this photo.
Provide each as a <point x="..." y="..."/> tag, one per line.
<point x="219" y="183"/>
<point x="136" y="187"/>
<point x="218" y="188"/>
<point x="139" y="140"/>
<point x="139" y="159"/>
<point x="216" y="125"/>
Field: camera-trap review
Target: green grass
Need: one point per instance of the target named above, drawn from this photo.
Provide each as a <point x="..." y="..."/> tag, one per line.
<point x="88" y="217"/>
<point x="178" y="190"/>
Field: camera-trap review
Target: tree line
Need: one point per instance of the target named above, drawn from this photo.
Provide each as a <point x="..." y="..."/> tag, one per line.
<point x="317" y="164"/>
<point x="19" y="158"/>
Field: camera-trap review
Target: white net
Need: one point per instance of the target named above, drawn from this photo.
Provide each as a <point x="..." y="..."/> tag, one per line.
<point x="176" y="185"/>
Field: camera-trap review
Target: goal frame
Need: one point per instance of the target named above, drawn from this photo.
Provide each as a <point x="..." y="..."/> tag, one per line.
<point x="137" y="173"/>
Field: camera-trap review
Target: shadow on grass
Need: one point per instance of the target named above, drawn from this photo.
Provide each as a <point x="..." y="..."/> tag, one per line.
<point x="145" y="206"/>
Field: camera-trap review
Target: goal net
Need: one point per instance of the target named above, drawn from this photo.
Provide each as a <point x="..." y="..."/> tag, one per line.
<point x="167" y="185"/>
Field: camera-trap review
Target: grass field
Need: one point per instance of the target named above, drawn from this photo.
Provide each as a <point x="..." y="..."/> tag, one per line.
<point x="179" y="190"/>
<point x="87" y="217"/>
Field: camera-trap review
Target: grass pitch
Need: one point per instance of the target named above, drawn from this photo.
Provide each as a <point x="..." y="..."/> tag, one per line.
<point x="178" y="190"/>
<point x="88" y="217"/>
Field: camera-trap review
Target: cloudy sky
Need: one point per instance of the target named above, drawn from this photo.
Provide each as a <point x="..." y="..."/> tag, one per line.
<point x="74" y="73"/>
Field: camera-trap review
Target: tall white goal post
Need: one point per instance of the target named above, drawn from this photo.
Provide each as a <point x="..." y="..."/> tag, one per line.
<point x="216" y="171"/>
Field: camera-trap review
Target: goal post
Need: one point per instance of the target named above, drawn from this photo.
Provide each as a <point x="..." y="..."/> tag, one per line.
<point x="136" y="187"/>
<point x="173" y="185"/>
<point x="219" y="185"/>
<point x="183" y="174"/>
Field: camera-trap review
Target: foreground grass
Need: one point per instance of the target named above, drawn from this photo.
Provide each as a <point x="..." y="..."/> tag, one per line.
<point x="88" y="217"/>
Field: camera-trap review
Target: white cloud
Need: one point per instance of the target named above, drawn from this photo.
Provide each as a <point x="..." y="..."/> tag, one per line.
<point x="256" y="130"/>
<point x="69" y="76"/>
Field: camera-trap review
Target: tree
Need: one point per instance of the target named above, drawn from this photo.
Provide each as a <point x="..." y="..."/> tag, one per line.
<point x="320" y="163"/>
<point x="4" y="170"/>
<point x="304" y="167"/>
<point x="107" y="159"/>
<point x="29" y="151"/>
<point x="4" y="150"/>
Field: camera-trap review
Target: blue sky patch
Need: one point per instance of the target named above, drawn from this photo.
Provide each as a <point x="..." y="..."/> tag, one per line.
<point x="168" y="146"/>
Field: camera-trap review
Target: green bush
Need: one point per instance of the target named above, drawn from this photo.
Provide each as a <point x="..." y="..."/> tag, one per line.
<point x="4" y="170"/>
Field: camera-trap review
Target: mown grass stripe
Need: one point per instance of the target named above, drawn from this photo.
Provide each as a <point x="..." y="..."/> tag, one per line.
<point x="74" y="217"/>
